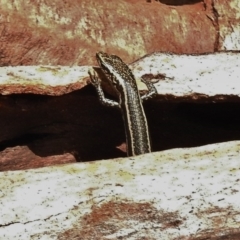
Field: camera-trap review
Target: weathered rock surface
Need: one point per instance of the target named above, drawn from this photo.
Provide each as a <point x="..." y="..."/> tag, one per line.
<point x="194" y="77"/>
<point x="206" y="77"/>
<point x="69" y="33"/>
<point x="44" y="80"/>
<point x="229" y="28"/>
<point x="197" y="104"/>
<point x="176" y="194"/>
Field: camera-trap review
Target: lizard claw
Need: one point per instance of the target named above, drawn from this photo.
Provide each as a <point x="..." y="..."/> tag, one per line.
<point x="94" y="78"/>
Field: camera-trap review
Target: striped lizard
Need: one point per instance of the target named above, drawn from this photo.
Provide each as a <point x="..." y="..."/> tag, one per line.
<point x="130" y="102"/>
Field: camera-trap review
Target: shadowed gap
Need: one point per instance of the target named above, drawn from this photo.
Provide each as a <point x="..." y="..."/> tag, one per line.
<point x="77" y="123"/>
<point x="179" y="2"/>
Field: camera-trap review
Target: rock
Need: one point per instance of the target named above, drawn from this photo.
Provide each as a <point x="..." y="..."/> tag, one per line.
<point x="197" y="104"/>
<point x="176" y="194"/>
<point x="70" y="33"/>
<point x="205" y="77"/>
<point x="208" y="76"/>
<point x="44" y="80"/>
<point x="21" y="158"/>
<point x="229" y="28"/>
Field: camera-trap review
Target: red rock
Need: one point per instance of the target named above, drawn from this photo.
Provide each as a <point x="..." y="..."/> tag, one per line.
<point x="21" y="158"/>
<point x="67" y="33"/>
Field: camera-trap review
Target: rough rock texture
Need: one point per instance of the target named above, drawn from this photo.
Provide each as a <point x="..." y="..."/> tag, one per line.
<point x="196" y="105"/>
<point x="44" y="80"/>
<point x="171" y="195"/>
<point x="208" y="77"/>
<point x="20" y="158"/>
<point x="177" y="194"/>
<point x="229" y="27"/>
<point x="193" y="77"/>
<point x="53" y="32"/>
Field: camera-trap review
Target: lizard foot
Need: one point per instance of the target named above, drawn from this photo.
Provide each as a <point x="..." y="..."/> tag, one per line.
<point x="94" y="78"/>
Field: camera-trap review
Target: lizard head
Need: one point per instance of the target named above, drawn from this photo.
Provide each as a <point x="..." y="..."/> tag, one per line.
<point x="117" y="72"/>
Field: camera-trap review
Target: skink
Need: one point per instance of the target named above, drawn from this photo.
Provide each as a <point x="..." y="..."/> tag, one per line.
<point x="130" y="102"/>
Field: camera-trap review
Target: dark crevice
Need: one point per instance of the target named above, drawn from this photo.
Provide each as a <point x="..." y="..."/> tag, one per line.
<point x="77" y="123"/>
<point x="179" y="2"/>
<point x="191" y="124"/>
<point x="74" y="123"/>
<point x="23" y="140"/>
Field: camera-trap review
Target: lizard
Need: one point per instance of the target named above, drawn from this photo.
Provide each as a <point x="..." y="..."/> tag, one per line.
<point x="122" y="79"/>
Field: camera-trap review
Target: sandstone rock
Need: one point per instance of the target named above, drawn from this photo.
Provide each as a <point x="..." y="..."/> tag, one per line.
<point x="229" y="28"/>
<point x="197" y="104"/>
<point x="176" y="194"/>
<point x="205" y="76"/>
<point x="69" y="33"/>
<point x="45" y="80"/>
<point x="21" y="158"/>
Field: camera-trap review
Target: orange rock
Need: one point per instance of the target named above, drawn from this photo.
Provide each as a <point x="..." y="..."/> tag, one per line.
<point x="67" y="33"/>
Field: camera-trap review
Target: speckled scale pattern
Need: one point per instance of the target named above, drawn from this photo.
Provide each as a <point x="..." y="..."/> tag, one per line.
<point x="122" y="78"/>
<point x="119" y="67"/>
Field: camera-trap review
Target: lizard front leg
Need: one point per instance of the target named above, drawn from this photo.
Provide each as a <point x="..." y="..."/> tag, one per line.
<point x="152" y="91"/>
<point x="95" y="81"/>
